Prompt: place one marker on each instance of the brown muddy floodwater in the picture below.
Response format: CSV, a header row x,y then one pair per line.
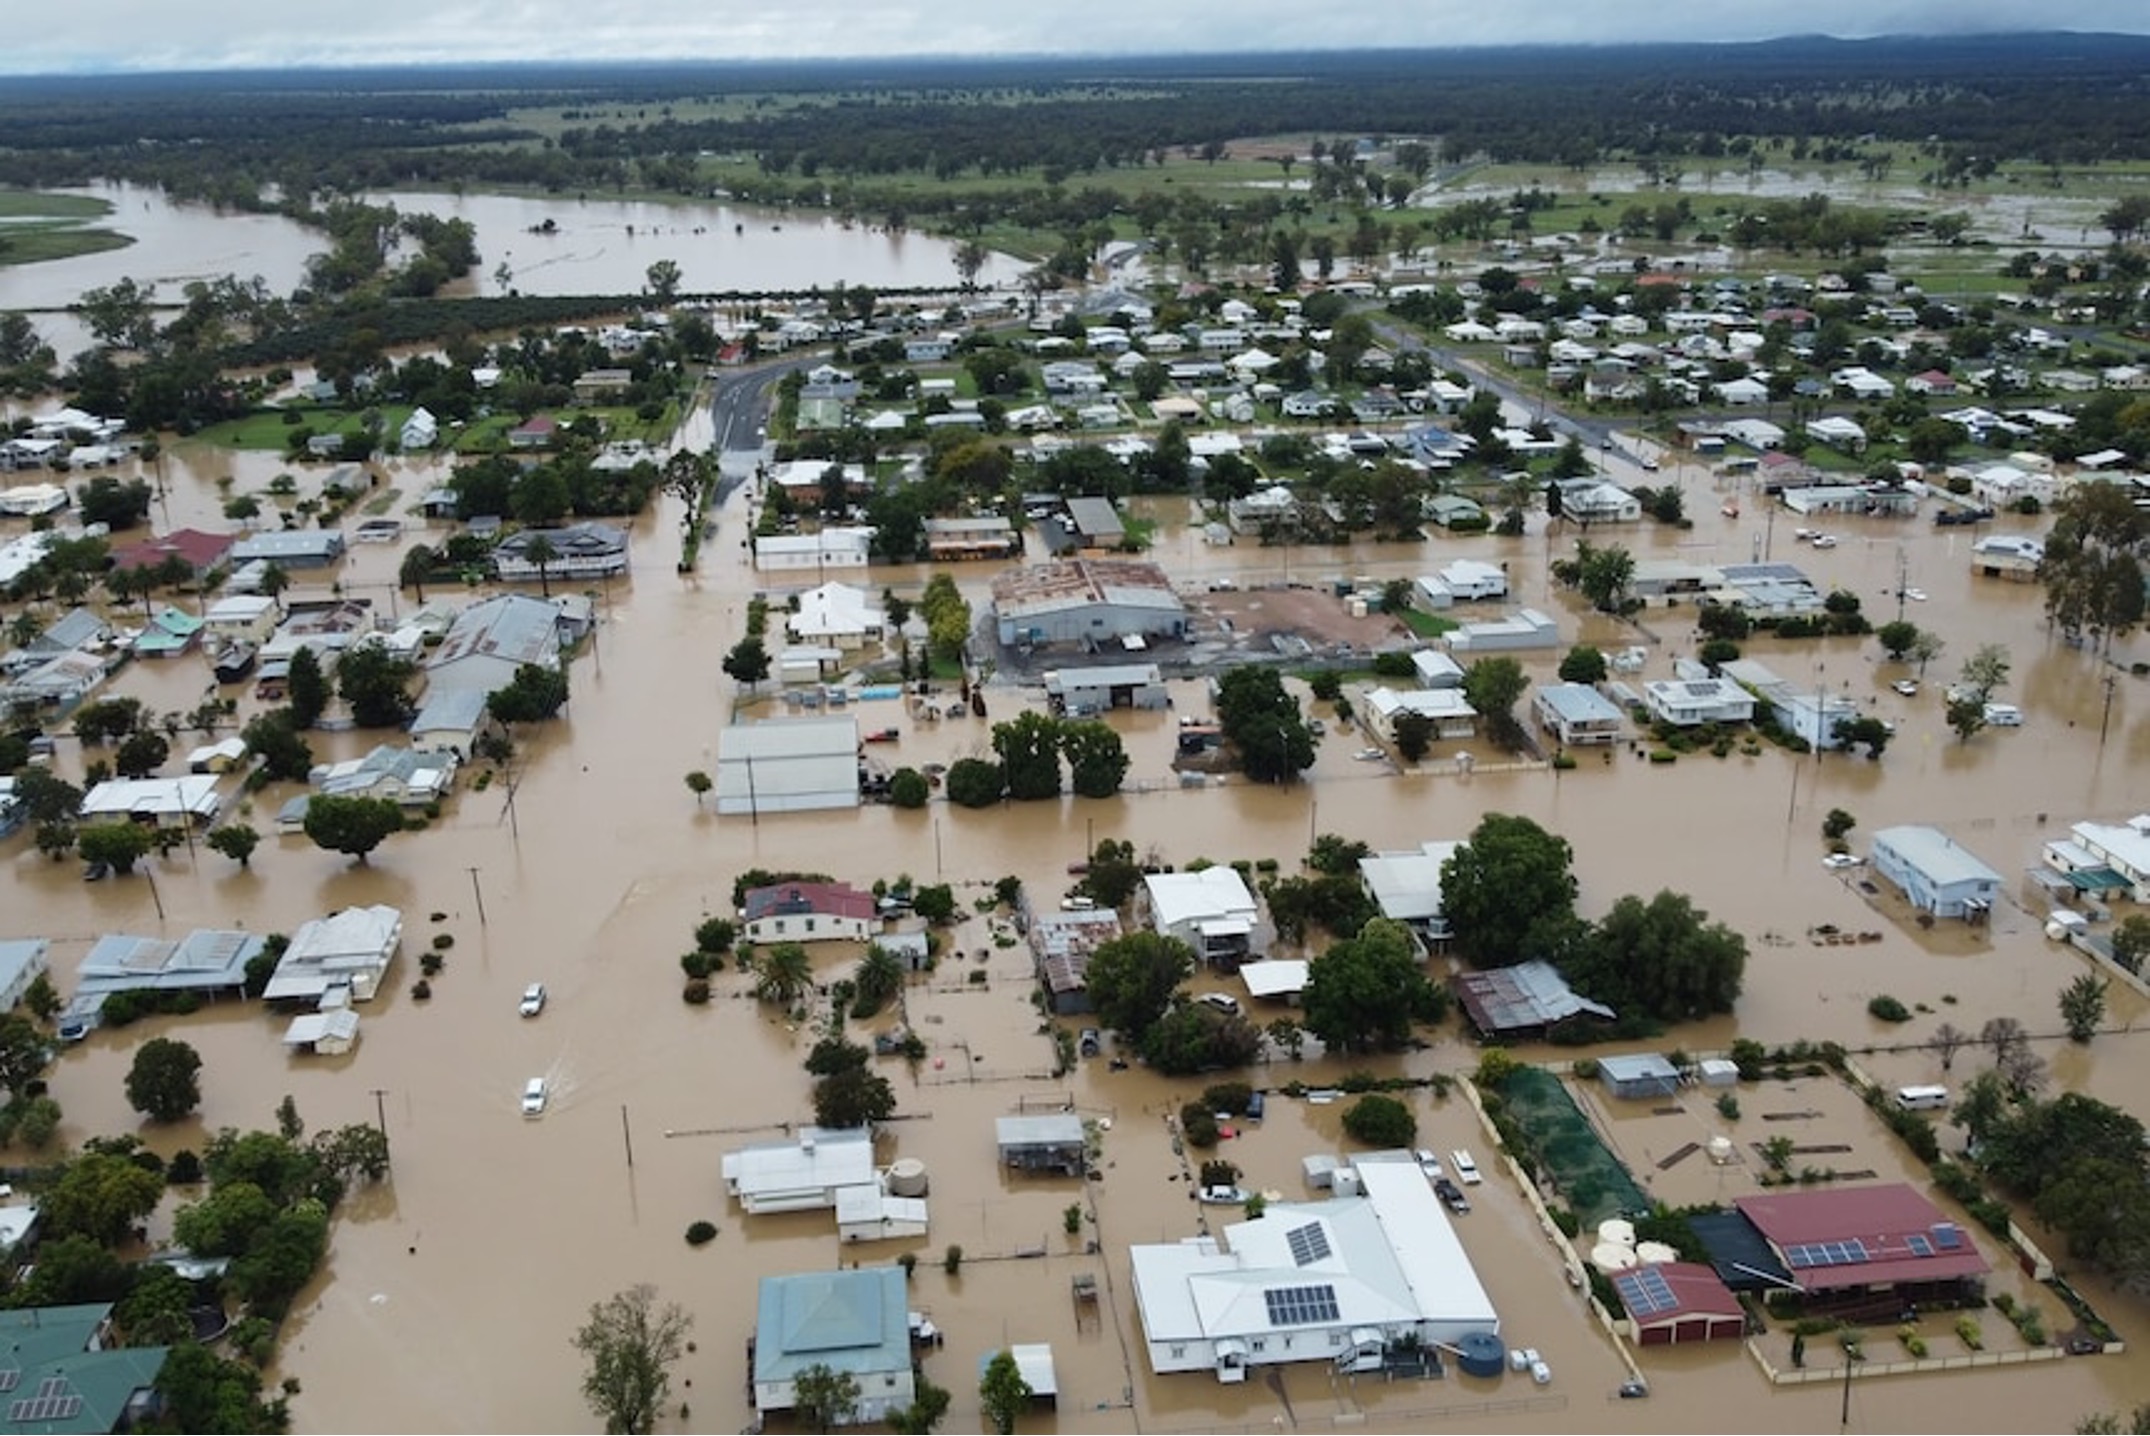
x,y
452,1291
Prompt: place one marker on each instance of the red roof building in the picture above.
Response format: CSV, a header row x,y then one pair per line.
x,y
1863,1239
1671,1302
807,912
202,551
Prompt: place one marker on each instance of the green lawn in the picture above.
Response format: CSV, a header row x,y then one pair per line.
x,y
44,226
1426,625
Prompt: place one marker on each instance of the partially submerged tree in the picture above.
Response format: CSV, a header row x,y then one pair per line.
x,y
630,1343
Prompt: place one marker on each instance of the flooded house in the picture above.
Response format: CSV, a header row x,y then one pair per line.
x,y
853,1323
1874,1248
1577,715
1406,886
1936,875
803,1173
207,961
1060,945
808,912
1212,911
1043,1142
189,801
349,951
71,1373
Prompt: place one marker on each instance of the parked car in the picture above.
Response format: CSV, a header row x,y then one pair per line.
x,y
535,1096
1466,1169
1909,687
533,999
1842,860
2003,715
1222,1001
1428,1163
1824,540
1452,1194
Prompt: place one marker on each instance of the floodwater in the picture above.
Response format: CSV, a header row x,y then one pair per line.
x,y
452,1291
597,246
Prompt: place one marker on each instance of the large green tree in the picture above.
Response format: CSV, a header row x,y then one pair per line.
x,y
307,688
1664,960
100,1196
1507,890
1262,722
534,694
164,1084
630,1343
1131,980
351,825
1029,749
376,685
1494,686
121,844
1097,759
1364,993
2097,559
1002,1391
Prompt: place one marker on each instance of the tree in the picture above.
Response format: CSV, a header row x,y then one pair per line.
x,y
1925,649
1603,574
540,552
416,568
533,695
99,1196
164,1084
909,788
948,617
630,1343
975,782
748,662
121,844
1967,715
203,1391
306,688
1380,1121
1263,724
1507,888
116,503
1132,978
2082,1007
1584,664
2095,561
141,754
699,784
1097,759
1494,686
663,278
1662,960
1985,672
1412,733
1363,994
236,841
1896,638
351,825
853,1097
1947,1040
375,683
273,738
823,1398
1002,1391
24,1054
1836,823
1196,1037
783,974
2131,941
1029,750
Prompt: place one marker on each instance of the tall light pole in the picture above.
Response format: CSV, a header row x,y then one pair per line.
x,y
478,894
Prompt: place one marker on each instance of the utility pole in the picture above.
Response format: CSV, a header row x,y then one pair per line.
x,y
627,1136
478,893
380,1116
2105,719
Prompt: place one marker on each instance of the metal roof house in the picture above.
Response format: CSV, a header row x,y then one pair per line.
x,y
1691,702
1577,715
490,640
1522,1001
1639,1076
1673,1302
22,959
801,1174
206,960
1060,946
1043,1142
787,765
2106,856
166,802
1447,709
855,1323
1211,911
351,950
1082,692
807,912
1336,1281
1852,1243
583,550
1934,873
290,548
1406,886
71,1375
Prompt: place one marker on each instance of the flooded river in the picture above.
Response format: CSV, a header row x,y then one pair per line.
x,y
451,1293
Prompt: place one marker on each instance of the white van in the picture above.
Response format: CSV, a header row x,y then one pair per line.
x,y
1921,1099
1466,1169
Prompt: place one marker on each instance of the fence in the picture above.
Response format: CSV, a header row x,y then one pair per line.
x,y
1861,1370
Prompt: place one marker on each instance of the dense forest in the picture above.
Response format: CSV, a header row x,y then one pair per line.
x,y
2052,99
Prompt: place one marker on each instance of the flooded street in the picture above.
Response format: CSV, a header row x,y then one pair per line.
x,y
452,1291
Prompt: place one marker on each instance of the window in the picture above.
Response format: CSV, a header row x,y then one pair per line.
x,y
1336,1338
1258,1344
809,924
1178,1352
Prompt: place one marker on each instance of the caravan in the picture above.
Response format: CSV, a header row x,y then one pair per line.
x,y
1921,1099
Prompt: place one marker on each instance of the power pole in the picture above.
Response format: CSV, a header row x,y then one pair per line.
x,y
479,894
380,1116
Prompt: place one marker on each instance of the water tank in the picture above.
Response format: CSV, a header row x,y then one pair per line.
x,y
1481,1353
907,1177
1344,1182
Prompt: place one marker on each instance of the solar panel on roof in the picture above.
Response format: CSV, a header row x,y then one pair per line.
x,y
1948,1236
1308,1243
1645,1291
1300,1305
1919,1245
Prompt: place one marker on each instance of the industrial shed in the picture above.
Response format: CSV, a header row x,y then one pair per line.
x,y
1643,1075
787,765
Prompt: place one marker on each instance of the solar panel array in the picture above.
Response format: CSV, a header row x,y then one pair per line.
x,y
1919,1245
1300,1305
1645,1291
54,1401
1814,1254
1948,1236
1308,1243
10,1378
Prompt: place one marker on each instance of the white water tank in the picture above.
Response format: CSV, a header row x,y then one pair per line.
x,y
907,1177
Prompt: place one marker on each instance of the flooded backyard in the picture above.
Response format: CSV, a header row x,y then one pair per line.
x,y
452,1291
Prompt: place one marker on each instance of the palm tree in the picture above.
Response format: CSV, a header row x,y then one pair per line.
x,y
541,552
417,568
783,974
274,580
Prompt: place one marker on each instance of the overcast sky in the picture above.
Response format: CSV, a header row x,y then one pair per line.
x,y
101,35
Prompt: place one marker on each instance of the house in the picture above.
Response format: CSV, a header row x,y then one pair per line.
x,y
331,1032
1470,578
1406,886
985,536
2010,556
241,618
1091,524
449,721
22,961
420,431
219,757
199,551
598,386
290,548
29,501
1338,1282
160,802
1085,692
1596,501
1450,713
207,962
1934,873
1453,511
350,951
1670,1303
854,1323
1526,628
169,633
1522,1003
1743,392
490,640
807,912
1436,669
1043,1142
1577,715
409,777
1640,1076
2107,856
1060,946
787,765
583,550
1692,702
1867,1246
71,1374
836,615
1210,910
540,432
802,1173
1086,601
833,547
